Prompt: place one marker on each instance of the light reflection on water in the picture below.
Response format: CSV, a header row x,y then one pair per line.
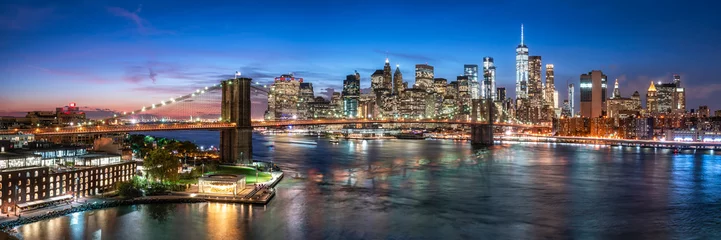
x,y
439,189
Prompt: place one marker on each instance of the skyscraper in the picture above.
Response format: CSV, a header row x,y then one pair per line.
x,y
489,79
387,80
535,93
424,77
500,94
471,71
593,94
651,103
571,92
680,95
351,93
377,80
398,81
551,94
521,69
616,92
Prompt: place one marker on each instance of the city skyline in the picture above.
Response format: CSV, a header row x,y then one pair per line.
x,y
106,71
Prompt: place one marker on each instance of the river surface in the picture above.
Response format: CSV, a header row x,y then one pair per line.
x,y
440,189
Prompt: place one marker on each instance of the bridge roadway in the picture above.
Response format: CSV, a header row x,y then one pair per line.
x,y
615,141
223,125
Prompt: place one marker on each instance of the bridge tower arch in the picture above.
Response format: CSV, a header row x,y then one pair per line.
x,y
482,134
236,143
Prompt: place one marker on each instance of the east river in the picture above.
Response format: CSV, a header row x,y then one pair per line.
x,y
439,189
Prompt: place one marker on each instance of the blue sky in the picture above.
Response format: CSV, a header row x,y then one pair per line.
x,y
120,55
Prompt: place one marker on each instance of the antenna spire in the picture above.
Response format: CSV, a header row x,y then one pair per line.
x,y
521,34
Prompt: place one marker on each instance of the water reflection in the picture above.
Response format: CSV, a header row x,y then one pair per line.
x,y
443,190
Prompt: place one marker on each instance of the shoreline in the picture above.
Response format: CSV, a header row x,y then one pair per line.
x,y
8,227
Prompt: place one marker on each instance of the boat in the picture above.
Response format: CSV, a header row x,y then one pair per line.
x,y
334,140
418,136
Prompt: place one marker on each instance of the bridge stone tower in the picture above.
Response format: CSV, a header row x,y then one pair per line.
x,y
482,135
236,144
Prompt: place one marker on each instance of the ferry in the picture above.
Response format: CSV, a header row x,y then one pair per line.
x,y
410,135
334,140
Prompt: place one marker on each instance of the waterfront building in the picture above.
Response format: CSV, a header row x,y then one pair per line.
x,y
573,126
43,173
283,98
351,93
471,71
593,94
489,80
651,103
424,77
306,96
320,108
398,85
644,128
521,69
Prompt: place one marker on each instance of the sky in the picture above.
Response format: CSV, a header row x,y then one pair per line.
x,y
119,55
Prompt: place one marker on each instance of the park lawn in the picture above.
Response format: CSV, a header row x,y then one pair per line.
x,y
248,172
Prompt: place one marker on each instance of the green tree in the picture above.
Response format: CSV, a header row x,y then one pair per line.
x,y
160,164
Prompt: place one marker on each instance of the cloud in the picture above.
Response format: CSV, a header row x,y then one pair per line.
x,y
23,17
77,76
702,92
408,56
143,26
152,74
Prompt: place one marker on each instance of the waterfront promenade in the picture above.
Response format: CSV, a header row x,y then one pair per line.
x,y
614,142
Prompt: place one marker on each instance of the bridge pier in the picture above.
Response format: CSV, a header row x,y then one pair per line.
x,y
236,145
482,134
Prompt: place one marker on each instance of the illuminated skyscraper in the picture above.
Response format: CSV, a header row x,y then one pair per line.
x,y
424,77
387,80
534,79
522,69
489,79
471,71
398,81
550,91
351,93
571,92
593,94
616,92
651,103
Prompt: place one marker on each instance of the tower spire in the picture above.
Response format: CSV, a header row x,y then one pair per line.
x,y
521,34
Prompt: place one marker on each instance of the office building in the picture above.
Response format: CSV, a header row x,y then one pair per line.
x,y
550,91
535,91
704,112
471,71
424,77
651,103
571,96
500,94
593,94
398,86
488,90
351,95
387,78
283,98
